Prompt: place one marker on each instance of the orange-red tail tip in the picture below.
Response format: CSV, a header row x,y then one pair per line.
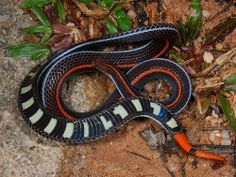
x,y
182,140
209,156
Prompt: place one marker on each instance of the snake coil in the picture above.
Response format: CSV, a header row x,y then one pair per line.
x,y
43,109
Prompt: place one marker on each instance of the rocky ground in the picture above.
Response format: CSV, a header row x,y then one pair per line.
x,y
24,153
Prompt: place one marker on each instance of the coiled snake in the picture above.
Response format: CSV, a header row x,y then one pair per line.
x,y
43,109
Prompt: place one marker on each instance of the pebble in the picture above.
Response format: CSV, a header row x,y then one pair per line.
x,y
156,155
110,168
26,141
4,32
205,13
78,14
172,166
132,14
148,87
212,119
225,134
226,142
214,114
208,57
219,46
215,137
226,138
19,12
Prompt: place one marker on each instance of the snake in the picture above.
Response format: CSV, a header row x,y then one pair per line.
x,y
130,68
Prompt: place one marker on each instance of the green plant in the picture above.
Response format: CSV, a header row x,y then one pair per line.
x,y
225,105
191,29
44,29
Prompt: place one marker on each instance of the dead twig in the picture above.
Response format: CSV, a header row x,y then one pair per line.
x,y
139,155
98,12
216,128
218,149
219,62
187,61
208,83
212,146
219,13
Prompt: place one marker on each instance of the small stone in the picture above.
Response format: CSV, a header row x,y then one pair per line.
x,y
146,22
149,87
70,24
213,120
209,118
205,13
214,114
219,46
226,142
208,57
172,166
4,32
220,121
26,141
78,14
132,14
156,155
19,12
215,137
225,134
212,137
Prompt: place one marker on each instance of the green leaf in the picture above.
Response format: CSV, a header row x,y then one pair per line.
x,y
40,29
105,3
45,38
30,3
117,8
37,29
176,57
60,10
225,105
231,79
205,104
191,29
86,1
34,50
40,15
195,4
182,29
123,20
111,28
